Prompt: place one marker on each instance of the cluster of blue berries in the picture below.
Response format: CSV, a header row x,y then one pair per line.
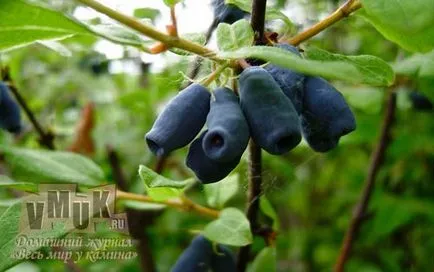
x,y
275,107
10,117
201,256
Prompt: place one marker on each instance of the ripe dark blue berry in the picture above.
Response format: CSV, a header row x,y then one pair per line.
x,y
290,82
180,121
223,260
272,118
326,116
420,102
196,258
228,132
206,169
226,13
200,256
10,117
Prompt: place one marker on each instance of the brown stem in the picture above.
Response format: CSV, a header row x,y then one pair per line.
x,y
137,220
346,9
255,159
377,159
45,138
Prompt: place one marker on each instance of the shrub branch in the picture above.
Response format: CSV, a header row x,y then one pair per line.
x,y
377,159
151,32
342,12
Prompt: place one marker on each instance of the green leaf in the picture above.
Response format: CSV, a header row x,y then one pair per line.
x,y
159,187
237,35
268,210
6,182
56,47
23,23
10,221
171,3
409,23
418,65
265,260
117,34
52,166
327,69
372,70
148,13
231,228
270,13
217,194
198,38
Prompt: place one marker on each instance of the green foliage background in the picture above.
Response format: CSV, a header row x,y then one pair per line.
x,y
312,194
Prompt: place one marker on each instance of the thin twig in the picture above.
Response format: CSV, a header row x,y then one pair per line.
x,y
255,159
174,21
45,138
198,60
342,12
377,160
151,32
137,220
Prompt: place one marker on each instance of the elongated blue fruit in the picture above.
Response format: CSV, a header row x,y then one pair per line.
x,y
196,258
272,118
223,260
290,82
326,116
228,132
180,121
200,256
224,13
206,169
420,101
10,116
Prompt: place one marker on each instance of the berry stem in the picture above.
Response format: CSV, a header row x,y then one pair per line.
x,y
377,159
342,12
214,75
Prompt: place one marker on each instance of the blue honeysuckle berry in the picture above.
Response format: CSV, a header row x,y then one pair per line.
x,y
272,118
228,132
200,256
10,116
223,260
181,120
326,116
291,82
196,258
206,169
226,13
420,102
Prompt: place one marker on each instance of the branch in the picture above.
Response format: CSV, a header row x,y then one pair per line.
x,y
183,203
45,138
137,220
342,12
255,159
151,32
377,159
